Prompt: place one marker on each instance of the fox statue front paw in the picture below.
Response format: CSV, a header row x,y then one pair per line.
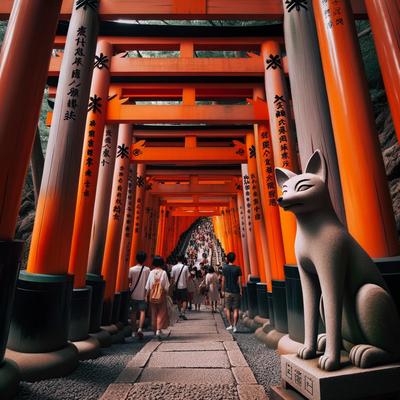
x,y
306,353
329,363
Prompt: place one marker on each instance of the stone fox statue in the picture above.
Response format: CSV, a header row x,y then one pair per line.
x,y
356,307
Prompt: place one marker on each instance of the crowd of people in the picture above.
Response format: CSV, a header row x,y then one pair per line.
x,y
197,277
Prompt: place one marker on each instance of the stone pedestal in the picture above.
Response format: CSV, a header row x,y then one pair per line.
x,y
349,383
80,314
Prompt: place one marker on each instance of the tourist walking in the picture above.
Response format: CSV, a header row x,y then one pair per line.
x,y
198,296
179,277
232,290
212,284
138,276
157,288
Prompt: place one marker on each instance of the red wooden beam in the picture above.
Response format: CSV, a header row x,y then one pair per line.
x,y
187,9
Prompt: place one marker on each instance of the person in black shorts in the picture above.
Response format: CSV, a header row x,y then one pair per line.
x,y
232,291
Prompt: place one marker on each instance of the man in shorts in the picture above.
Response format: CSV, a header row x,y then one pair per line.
x,y
232,290
137,286
180,275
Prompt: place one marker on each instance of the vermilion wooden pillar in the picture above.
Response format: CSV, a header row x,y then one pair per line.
x,y
251,243
367,201
243,236
160,230
384,16
236,231
115,219
310,101
139,204
281,132
127,230
269,199
257,212
52,232
90,162
102,201
25,53
122,284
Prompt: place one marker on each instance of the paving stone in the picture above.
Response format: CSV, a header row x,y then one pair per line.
x,y
186,359
230,346
195,337
187,375
236,358
140,359
150,346
193,329
170,391
129,375
251,392
116,391
244,376
205,346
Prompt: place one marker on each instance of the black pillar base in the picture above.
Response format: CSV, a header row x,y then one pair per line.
x,y
80,314
41,313
124,307
116,308
390,270
271,309
279,304
97,283
262,300
243,303
252,296
10,259
9,379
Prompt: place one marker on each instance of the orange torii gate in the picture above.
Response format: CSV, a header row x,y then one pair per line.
x,y
52,249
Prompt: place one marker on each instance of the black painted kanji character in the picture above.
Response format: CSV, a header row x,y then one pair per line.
x,y
279,98
80,41
140,182
94,104
274,61
89,161
86,193
72,103
90,143
93,4
76,73
296,5
81,31
104,162
101,61
106,153
89,153
79,52
252,151
69,115
92,133
123,151
92,123
73,92
88,172
77,61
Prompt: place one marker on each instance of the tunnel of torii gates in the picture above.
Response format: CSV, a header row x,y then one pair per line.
x,y
167,140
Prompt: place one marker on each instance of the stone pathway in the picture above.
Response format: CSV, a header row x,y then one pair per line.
x,y
198,360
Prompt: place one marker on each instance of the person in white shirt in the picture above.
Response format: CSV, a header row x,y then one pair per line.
x,y
138,276
159,310
179,276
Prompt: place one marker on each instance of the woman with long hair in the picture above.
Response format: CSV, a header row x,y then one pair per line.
x,y
212,284
157,289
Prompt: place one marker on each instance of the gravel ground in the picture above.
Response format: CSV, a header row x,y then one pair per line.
x,y
89,381
174,391
264,362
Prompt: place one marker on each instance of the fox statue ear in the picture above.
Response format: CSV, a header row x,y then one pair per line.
x,y
316,165
282,175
